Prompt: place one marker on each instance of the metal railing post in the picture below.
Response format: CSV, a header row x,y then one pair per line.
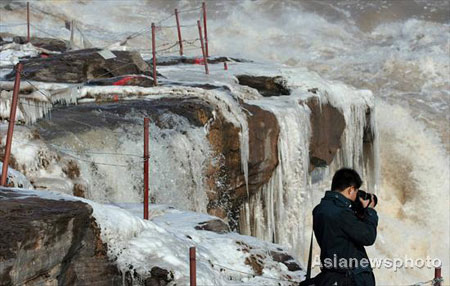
x,y
192,267
146,166
12,119
180,40
155,80
205,59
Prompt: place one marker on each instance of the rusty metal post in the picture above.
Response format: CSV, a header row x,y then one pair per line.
x,y
155,80
206,29
192,266
437,276
12,119
225,66
205,59
146,165
28,22
180,40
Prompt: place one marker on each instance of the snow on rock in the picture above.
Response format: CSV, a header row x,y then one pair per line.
x,y
42,167
16,179
10,54
138,246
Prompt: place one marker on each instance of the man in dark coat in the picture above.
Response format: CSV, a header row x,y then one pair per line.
x,y
342,235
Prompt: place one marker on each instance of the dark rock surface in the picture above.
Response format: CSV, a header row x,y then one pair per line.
x,y
159,277
267,86
327,126
50,44
175,60
83,65
286,259
49,242
263,159
216,225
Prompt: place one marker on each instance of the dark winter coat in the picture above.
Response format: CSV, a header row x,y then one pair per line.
x,y
341,236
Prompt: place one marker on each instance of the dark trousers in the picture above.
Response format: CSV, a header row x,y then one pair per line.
x,y
331,278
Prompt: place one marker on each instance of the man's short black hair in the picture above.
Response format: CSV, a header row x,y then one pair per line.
x,y
344,178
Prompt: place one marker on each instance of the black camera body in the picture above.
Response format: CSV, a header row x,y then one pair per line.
x,y
357,206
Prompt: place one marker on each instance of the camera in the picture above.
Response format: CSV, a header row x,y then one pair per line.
x,y
358,207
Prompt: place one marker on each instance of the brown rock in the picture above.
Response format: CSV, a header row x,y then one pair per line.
x,y
227,177
286,259
327,126
267,86
50,44
51,242
263,141
215,225
83,65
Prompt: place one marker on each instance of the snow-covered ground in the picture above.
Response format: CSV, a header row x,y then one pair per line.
x,y
164,241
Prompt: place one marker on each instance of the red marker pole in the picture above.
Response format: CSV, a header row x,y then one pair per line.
x,y
12,119
192,266
437,276
225,66
28,22
206,29
155,80
180,41
146,165
203,47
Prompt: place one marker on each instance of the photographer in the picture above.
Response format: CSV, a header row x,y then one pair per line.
x,y
344,222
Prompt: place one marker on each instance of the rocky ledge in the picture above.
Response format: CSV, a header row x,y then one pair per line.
x,y
56,240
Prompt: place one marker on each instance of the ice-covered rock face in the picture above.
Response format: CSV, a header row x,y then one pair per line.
x,y
219,147
65,238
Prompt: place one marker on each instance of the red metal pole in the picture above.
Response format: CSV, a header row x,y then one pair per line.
x,y
192,266
437,275
225,66
146,165
206,29
205,59
28,22
155,80
12,119
180,41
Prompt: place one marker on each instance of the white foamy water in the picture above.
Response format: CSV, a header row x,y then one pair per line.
x,y
400,53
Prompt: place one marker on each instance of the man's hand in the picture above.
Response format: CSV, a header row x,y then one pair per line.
x,y
365,203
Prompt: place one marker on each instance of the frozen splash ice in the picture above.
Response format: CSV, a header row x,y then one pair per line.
x,y
276,213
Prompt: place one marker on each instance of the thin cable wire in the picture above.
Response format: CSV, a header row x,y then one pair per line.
x,y
13,24
250,274
95,153
94,162
44,32
190,9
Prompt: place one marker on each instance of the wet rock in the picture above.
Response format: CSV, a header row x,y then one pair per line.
x,y
286,259
216,225
267,86
256,263
175,60
159,277
49,242
327,126
263,141
83,65
227,180
49,44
